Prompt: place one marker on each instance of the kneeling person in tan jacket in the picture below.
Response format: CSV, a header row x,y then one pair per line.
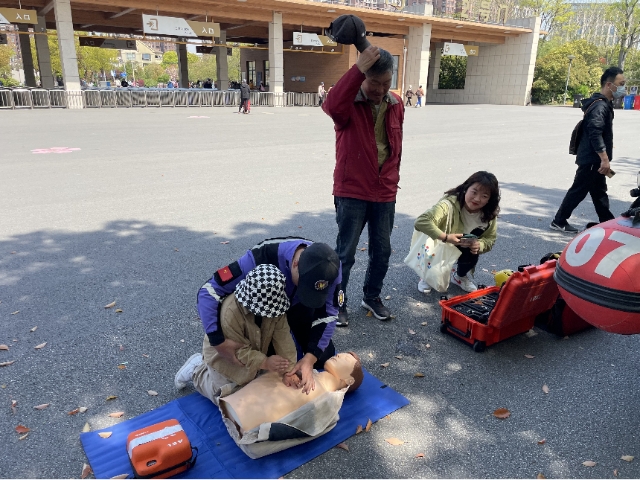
x,y
253,315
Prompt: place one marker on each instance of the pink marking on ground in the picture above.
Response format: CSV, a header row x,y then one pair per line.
x,y
55,150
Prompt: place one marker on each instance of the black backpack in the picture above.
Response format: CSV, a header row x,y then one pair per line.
x,y
576,135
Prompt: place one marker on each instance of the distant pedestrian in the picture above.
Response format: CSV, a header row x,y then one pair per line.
x,y
419,95
321,94
261,87
409,96
595,150
245,96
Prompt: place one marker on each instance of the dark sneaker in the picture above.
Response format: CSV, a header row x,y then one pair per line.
x,y
563,228
377,308
343,317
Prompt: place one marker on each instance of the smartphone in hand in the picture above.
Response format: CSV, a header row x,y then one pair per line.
x,y
467,239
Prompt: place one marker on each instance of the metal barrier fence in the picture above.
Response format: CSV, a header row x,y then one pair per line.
x,y
14,98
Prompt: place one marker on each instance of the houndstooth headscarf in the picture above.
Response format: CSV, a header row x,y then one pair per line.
x,y
262,292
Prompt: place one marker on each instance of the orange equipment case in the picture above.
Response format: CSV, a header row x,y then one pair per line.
x,y
160,451
527,293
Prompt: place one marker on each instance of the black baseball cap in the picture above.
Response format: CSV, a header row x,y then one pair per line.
x,y
318,268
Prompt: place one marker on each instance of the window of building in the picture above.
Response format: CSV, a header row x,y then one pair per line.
x,y
251,72
131,56
394,77
146,57
266,73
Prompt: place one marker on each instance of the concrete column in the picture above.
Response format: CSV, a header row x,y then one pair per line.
x,y
68,54
44,56
418,53
27,58
276,55
222,65
183,66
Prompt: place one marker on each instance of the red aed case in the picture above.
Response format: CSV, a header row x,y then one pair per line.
x,y
501,312
160,451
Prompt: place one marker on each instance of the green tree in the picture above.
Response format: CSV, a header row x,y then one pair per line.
x,y
6,52
551,72
94,62
203,68
554,14
625,16
453,72
233,63
169,59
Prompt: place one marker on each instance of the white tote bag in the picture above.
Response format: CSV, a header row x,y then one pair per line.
x,y
433,259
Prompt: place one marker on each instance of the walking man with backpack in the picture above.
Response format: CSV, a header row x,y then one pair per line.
x,y
593,152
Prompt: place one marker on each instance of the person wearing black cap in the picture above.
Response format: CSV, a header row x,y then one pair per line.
x,y
368,121
313,276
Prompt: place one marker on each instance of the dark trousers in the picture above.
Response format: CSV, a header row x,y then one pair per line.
x,y
351,216
408,102
587,180
300,319
467,261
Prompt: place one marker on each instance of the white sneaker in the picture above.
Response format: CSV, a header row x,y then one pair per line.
x,y
186,371
424,287
463,282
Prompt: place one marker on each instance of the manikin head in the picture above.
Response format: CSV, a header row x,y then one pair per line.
x,y
348,368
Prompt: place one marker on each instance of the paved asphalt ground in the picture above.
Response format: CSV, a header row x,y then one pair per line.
x,y
139,215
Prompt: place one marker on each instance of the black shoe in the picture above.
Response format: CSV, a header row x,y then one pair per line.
x,y
343,317
377,308
563,228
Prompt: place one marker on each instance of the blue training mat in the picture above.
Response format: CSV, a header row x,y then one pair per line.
x,y
218,455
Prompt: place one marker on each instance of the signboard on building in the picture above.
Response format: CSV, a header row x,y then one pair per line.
x,y
178,27
312,40
18,15
204,49
114,43
460,50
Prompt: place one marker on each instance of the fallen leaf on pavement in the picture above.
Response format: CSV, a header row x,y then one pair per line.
x,y
16,312
41,407
6,364
224,243
542,442
412,332
34,329
121,348
394,441
485,270
82,409
42,345
531,333
73,412
145,355
105,434
22,437
153,393
399,357
118,310
589,463
343,446
371,355
13,406
4,347
369,314
615,472
116,414
502,413
369,423
111,305
122,367
363,249
388,297
418,375
424,324
627,458
22,429
86,428
545,389
86,471
529,356
540,475
384,365
428,346
359,429
111,397
420,455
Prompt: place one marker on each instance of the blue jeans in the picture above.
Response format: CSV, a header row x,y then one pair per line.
x,y
351,216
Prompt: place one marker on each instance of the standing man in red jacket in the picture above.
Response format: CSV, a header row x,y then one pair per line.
x,y
368,123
